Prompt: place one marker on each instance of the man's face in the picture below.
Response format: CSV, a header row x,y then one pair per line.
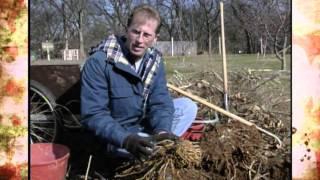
x,y
140,36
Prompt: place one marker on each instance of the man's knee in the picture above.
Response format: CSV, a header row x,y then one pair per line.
x,y
192,105
187,104
185,114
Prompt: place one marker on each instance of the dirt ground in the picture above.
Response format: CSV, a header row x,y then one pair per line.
x,y
230,149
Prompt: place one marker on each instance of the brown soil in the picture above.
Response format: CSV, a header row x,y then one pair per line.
x,y
236,151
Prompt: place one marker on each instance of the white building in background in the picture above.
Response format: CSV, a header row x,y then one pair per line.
x,y
177,48
71,54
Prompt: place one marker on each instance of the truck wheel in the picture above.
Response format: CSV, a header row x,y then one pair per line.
x,y
43,118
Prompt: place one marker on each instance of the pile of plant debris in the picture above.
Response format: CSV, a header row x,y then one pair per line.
x,y
229,149
232,150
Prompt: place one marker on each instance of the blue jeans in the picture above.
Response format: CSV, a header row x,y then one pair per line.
x,y
185,111
184,114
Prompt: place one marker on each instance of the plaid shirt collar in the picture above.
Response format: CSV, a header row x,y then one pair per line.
x,y
118,54
114,47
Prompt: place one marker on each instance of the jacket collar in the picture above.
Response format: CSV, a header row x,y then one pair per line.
x,y
117,54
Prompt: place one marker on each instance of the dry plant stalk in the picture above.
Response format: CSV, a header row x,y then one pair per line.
x,y
189,152
168,160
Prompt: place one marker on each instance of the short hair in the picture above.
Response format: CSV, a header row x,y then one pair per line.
x,y
148,12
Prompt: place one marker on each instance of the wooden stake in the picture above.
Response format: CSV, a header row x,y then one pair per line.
x,y
225,78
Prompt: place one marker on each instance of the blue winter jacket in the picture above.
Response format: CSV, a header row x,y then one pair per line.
x,y
112,94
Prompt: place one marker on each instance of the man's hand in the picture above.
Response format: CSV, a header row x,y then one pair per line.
x,y
163,136
140,147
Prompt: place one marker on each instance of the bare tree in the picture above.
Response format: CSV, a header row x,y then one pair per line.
x,y
168,17
281,44
44,24
115,13
243,12
210,9
73,12
251,25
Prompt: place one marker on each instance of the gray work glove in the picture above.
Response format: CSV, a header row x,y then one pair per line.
x,y
163,136
140,147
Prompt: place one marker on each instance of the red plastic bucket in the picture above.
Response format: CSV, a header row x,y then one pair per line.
x,y
49,161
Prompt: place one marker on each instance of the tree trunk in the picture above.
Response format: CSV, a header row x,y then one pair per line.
x,y
220,45
65,27
192,26
261,46
210,45
284,63
265,48
81,43
249,48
